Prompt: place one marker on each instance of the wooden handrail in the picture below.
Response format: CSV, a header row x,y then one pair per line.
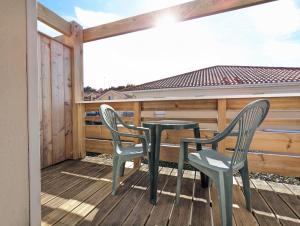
x,y
195,98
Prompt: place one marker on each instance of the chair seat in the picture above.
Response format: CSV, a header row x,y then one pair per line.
x,y
131,150
210,159
205,148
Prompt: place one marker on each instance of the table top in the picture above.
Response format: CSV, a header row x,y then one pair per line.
x,y
172,124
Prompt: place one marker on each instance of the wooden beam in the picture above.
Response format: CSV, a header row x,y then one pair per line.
x,y
50,18
77,92
66,40
182,12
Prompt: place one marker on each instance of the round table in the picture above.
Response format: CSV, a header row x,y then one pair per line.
x,y
156,128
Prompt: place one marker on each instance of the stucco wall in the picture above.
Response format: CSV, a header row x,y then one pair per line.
x,y
14,185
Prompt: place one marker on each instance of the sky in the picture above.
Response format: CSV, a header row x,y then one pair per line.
x,y
263,35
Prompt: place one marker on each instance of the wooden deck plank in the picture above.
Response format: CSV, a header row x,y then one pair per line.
x,y
295,189
241,215
54,176
282,211
181,213
201,213
287,196
66,210
289,222
57,186
85,201
260,209
79,193
60,177
260,185
279,187
55,169
98,160
81,210
103,207
119,214
162,210
278,206
143,208
216,214
74,191
67,182
238,179
293,202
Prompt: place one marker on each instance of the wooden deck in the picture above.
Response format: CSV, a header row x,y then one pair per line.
x,y
78,193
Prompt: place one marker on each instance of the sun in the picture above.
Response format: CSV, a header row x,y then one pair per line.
x,y
166,20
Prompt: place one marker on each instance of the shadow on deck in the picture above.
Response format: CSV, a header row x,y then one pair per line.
x,y
79,193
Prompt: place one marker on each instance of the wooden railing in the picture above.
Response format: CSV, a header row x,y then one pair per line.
x,y
275,147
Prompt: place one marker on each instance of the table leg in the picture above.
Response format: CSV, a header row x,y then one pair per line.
x,y
122,169
155,165
151,164
197,135
204,178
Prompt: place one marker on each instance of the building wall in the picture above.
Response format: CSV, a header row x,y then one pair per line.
x,y
112,96
198,92
14,189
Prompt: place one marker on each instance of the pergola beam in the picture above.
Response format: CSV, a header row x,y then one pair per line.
x,y
53,20
182,12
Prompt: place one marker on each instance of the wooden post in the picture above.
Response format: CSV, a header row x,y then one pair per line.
x,y
137,113
79,136
77,94
137,122
221,121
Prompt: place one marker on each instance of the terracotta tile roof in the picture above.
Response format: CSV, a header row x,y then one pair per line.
x,y
225,76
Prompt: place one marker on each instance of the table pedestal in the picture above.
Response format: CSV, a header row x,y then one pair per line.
x,y
155,131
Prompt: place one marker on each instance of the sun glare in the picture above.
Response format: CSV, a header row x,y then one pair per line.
x,y
166,20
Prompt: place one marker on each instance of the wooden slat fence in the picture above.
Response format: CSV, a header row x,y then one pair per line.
x,y
275,148
55,100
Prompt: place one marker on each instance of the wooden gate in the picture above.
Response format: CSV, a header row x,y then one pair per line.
x,y
55,95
